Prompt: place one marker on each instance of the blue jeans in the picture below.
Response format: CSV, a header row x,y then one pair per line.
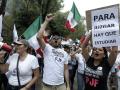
x,y
80,80
71,78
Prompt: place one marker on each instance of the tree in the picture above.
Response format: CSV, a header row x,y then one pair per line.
x,y
58,26
50,6
29,10
24,12
2,6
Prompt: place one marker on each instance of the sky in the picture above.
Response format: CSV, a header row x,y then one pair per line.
x,y
84,5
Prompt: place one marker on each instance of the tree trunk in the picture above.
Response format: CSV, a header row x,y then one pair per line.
x,y
2,6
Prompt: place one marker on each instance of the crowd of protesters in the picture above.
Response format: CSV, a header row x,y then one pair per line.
x,y
59,64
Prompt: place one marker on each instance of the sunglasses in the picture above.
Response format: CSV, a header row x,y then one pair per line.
x,y
56,37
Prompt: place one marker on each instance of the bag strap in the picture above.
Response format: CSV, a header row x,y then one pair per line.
x,y
18,72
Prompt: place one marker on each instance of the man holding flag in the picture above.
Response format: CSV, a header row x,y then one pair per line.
x,y
55,61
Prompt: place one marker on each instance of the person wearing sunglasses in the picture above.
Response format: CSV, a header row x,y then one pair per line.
x,y
20,67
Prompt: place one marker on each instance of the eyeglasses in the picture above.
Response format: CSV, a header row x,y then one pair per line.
x,y
56,37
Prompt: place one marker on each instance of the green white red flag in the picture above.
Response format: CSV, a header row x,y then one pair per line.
x,y
31,33
73,18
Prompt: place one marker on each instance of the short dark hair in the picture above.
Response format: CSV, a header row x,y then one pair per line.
x,y
105,52
66,46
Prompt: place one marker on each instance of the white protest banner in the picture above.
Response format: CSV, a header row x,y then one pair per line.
x,y
105,26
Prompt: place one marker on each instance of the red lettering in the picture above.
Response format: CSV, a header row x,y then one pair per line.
x,y
92,82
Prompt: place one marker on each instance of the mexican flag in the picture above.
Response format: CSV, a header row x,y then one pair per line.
x,y
73,18
31,33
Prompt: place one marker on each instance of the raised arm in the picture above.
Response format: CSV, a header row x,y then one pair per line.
x,y
40,35
84,47
113,55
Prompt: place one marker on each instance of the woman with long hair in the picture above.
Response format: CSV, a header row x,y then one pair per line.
x,y
98,66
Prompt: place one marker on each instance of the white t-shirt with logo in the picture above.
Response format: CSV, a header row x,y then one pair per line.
x,y
26,68
54,60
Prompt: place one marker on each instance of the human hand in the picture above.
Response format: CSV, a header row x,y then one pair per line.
x,y
49,17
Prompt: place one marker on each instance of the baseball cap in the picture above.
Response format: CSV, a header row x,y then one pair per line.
x,y
22,42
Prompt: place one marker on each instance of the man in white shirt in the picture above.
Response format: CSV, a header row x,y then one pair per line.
x,y
55,61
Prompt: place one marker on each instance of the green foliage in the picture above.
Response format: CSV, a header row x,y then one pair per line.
x,y
57,25
29,10
2,6
7,27
24,12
